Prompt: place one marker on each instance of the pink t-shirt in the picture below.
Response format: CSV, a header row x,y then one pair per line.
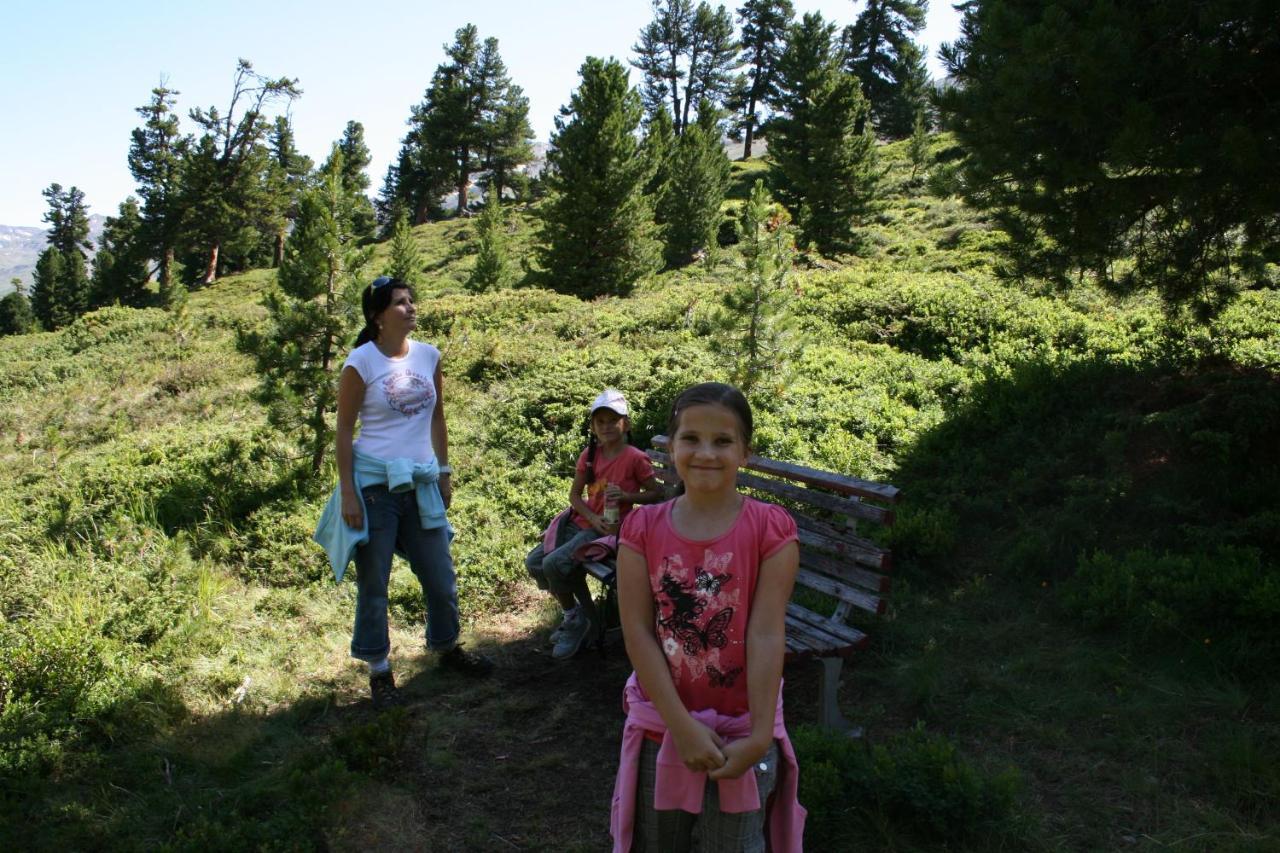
x,y
702,593
627,471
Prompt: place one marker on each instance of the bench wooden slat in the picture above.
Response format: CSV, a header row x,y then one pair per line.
x,y
803,638
843,571
813,476
832,503
843,591
875,559
816,625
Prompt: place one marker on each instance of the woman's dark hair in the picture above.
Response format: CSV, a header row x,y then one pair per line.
x,y
716,393
374,300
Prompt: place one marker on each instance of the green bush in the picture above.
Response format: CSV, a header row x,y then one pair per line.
x,y
1227,598
914,787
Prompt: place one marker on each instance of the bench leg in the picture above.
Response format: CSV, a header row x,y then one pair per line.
x,y
829,716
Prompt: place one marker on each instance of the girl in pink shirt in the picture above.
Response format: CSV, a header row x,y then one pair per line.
x,y
703,584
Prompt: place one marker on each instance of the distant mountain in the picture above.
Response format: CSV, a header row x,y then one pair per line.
x,y
20,248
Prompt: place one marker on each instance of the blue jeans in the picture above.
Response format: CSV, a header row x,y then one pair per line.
x,y
555,572
394,525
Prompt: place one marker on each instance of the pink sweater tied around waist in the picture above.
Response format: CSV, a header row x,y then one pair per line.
x,y
678,787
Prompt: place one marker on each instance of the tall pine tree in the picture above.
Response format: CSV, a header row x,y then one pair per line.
x,y
287,174
491,270
764,32
406,257
887,62
121,267
824,165
60,292
1138,153
687,55
699,179
355,161
226,195
155,160
597,229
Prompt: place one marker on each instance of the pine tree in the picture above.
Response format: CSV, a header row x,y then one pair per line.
x,y
824,166
597,229
47,302
491,269
406,258
508,138
659,148
121,267
764,31
759,337
1137,153
61,289
155,160
687,55
310,314
287,174
16,317
355,160
472,117
699,179
879,48
225,193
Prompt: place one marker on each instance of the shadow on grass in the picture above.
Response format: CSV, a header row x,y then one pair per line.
x,y
1087,593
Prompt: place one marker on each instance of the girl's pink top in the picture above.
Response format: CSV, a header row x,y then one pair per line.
x,y
678,787
628,470
702,593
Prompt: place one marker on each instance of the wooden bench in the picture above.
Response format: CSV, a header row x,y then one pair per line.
x,y
843,574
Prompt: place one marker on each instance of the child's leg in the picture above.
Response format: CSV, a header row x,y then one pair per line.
x,y
722,832
535,563
657,831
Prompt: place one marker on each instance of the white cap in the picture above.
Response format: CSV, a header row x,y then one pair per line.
x,y
611,399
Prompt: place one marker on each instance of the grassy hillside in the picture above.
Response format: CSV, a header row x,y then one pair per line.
x,y
1082,642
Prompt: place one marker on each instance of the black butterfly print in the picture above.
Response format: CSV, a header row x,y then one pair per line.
x,y
711,582
700,639
685,605
723,679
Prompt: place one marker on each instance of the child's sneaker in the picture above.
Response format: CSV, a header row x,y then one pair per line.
x,y
382,687
571,638
571,617
462,661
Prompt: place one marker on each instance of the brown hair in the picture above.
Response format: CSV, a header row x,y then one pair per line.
x,y
713,393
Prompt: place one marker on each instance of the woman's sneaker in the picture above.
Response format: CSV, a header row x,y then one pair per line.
x,y
382,687
572,637
462,661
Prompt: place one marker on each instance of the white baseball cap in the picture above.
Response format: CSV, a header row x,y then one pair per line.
x,y
611,399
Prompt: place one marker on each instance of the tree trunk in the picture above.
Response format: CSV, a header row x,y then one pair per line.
x,y
166,269
211,271
278,255
463,176
751,129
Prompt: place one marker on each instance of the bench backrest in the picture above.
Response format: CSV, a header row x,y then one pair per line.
x,y
833,514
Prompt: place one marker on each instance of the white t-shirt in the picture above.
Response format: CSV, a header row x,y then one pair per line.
x,y
399,400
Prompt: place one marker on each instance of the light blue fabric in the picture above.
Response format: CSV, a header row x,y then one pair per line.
x,y
399,475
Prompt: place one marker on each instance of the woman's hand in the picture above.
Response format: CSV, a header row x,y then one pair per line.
x,y
700,748
740,755
352,511
446,489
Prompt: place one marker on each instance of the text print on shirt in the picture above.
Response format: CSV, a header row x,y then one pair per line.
x,y
408,393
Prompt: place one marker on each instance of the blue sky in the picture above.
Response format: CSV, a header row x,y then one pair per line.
x,y
74,71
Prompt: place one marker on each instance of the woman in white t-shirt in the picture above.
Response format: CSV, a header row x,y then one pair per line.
x,y
391,384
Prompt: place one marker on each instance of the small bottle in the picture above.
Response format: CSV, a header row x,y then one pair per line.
x,y
610,506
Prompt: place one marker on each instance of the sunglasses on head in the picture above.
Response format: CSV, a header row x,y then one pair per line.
x,y
383,281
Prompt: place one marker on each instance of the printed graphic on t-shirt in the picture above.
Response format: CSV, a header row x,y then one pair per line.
x,y
408,393
695,611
